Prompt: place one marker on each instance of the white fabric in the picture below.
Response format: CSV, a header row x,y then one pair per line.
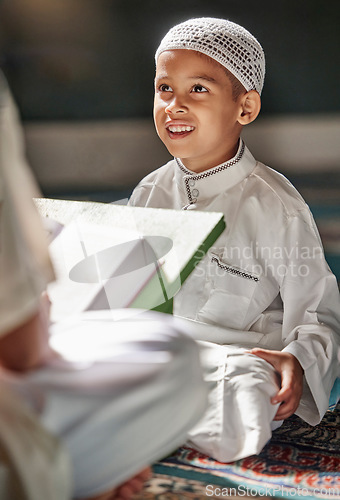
x,y
25,267
126,394
23,441
266,276
238,421
224,41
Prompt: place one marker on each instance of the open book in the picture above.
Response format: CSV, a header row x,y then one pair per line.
x,y
109,256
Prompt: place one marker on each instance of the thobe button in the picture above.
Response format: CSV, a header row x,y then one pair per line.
x,y
192,182
195,192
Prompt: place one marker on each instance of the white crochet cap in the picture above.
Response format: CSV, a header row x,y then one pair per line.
x,y
228,43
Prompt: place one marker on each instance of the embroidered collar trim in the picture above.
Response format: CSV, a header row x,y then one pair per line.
x,y
217,169
209,172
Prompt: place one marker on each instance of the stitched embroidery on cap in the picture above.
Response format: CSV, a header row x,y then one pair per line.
x,y
224,41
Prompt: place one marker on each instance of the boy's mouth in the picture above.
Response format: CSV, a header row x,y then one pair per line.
x,y
179,131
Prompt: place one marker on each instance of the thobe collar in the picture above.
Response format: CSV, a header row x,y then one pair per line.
x,y
212,182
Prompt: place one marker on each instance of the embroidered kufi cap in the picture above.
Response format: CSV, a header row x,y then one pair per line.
x,y
224,41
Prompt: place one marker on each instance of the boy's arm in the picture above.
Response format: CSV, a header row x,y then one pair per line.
x,y
291,373
311,314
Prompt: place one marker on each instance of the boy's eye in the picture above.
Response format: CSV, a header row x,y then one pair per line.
x,y
165,88
199,89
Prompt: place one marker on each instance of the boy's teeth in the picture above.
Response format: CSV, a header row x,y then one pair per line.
x,y
179,128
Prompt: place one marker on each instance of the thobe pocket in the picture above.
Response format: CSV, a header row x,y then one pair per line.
x,y
232,289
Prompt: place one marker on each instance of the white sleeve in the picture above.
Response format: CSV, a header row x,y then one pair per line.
x,y
311,319
25,267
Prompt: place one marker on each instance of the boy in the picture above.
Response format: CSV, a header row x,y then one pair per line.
x,y
111,392
264,300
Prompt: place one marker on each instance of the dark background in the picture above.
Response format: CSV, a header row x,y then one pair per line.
x,y
94,59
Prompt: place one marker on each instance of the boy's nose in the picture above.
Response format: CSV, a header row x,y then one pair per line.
x,y
176,106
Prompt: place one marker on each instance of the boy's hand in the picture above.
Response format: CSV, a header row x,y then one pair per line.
x,y
291,373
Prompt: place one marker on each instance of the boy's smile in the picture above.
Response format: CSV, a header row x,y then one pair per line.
x,y
194,111
178,130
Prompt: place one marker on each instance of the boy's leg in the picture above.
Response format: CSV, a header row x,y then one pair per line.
x,y
128,406
238,420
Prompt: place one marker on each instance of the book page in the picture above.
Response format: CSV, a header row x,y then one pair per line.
x,y
98,267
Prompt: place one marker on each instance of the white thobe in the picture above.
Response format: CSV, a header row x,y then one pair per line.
x,y
265,282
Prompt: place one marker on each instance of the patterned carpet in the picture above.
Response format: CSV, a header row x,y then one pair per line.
x,y
299,461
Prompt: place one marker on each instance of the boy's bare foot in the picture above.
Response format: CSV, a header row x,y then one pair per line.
x,y
127,489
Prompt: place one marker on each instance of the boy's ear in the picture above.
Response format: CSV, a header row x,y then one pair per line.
x,y
250,107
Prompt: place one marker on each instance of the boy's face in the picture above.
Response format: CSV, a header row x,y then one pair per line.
x,y
194,112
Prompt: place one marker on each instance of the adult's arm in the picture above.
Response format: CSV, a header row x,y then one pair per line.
x,y
26,346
